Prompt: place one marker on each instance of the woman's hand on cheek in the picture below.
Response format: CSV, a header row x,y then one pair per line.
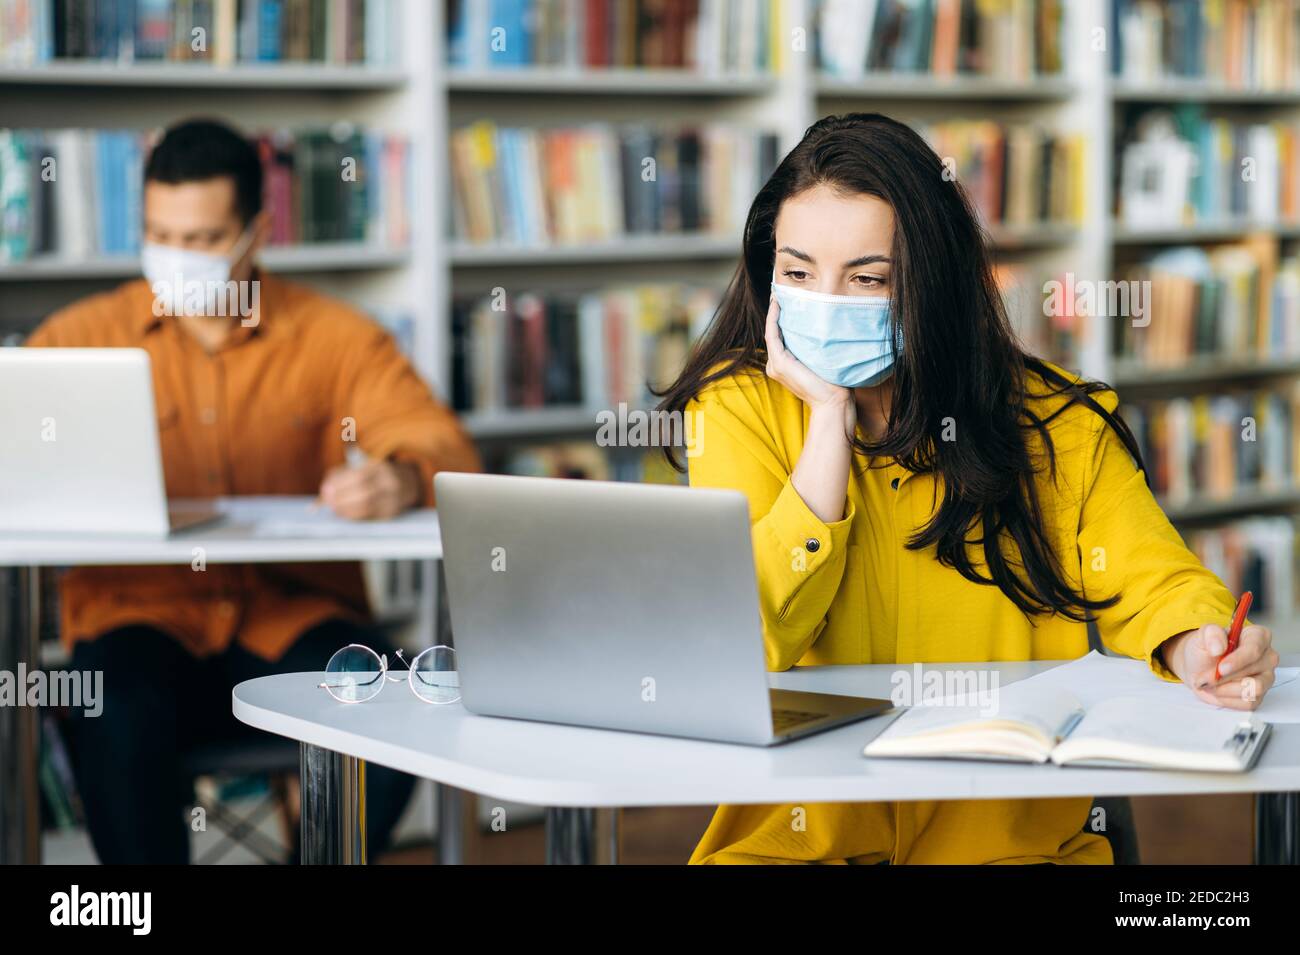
x,y
1246,674
795,375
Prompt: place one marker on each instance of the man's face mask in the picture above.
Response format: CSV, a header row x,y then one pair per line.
x,y
188,270
847,340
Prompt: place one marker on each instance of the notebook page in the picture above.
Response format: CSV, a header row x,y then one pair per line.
x,y
1094,678
1046,709
1134,726
1281,704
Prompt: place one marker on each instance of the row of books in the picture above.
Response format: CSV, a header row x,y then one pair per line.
x,y
601,348
1053,330
1178,165
338,184
76,193
222,32
598,181
1233,301
1015,173
1255,554
1213,446
706,36
1251,44
594,350
1017,39
585,460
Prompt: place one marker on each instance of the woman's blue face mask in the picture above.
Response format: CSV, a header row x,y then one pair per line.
x,y
847,340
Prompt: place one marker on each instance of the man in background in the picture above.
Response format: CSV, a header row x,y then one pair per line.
x,y
260,391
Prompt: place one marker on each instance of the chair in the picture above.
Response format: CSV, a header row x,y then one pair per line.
x,y
270,756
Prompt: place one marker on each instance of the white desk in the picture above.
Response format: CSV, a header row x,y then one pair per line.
x,y
250,530
569,767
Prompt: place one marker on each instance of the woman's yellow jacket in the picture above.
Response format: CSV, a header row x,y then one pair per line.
x,y
851,592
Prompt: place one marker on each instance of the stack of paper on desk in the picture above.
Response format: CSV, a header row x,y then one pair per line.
x,y
1095,711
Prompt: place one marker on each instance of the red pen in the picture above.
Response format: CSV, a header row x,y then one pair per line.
x,y
1234,632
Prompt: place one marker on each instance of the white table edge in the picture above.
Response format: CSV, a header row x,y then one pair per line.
x,y
962,779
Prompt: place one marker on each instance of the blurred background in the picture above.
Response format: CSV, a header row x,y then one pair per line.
x,y
550,197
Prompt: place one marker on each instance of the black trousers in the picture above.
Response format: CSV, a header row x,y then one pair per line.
x,y
159,701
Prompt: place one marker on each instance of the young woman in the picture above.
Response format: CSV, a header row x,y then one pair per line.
x,y
922,490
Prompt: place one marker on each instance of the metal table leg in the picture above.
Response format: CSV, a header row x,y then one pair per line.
x,y
1277,828
449,802
333,807
615,835
450,809
570,836
20,824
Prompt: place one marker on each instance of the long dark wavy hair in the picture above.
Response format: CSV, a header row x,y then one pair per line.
x,y
961,359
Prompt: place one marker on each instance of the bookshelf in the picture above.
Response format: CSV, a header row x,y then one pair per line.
x,y
394,97
1199,91
255,76
639,248
612,81
1140,87
978,89
427,98
1202,232
316,257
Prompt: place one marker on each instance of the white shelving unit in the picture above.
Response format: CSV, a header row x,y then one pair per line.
x,y
318,257
1085,99
425,98
291,76
606,82
896,87
103,94
399,99
787,103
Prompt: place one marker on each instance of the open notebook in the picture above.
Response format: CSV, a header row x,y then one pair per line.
x,y
1040,724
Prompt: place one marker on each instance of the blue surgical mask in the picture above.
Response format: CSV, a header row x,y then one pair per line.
x,y
848,340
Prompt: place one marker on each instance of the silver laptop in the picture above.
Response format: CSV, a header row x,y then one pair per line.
x,y
79,446
620,606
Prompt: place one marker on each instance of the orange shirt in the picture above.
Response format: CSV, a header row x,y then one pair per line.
x,y
267,413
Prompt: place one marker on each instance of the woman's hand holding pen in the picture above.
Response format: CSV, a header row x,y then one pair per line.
x,y
1245,674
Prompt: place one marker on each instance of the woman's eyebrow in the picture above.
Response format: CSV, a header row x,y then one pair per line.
x,y
868,260
797,254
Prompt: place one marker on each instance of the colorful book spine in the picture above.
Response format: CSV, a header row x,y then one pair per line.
x,y
1013,39
221,31
703,36
1017,174
596,182
1235,301
1240,44
340,184
596,350
1178,165
1216,445
1256,554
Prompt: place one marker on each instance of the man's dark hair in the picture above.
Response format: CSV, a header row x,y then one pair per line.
x,y
201,149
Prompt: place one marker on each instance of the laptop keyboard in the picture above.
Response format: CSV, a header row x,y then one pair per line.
x,y
783,720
